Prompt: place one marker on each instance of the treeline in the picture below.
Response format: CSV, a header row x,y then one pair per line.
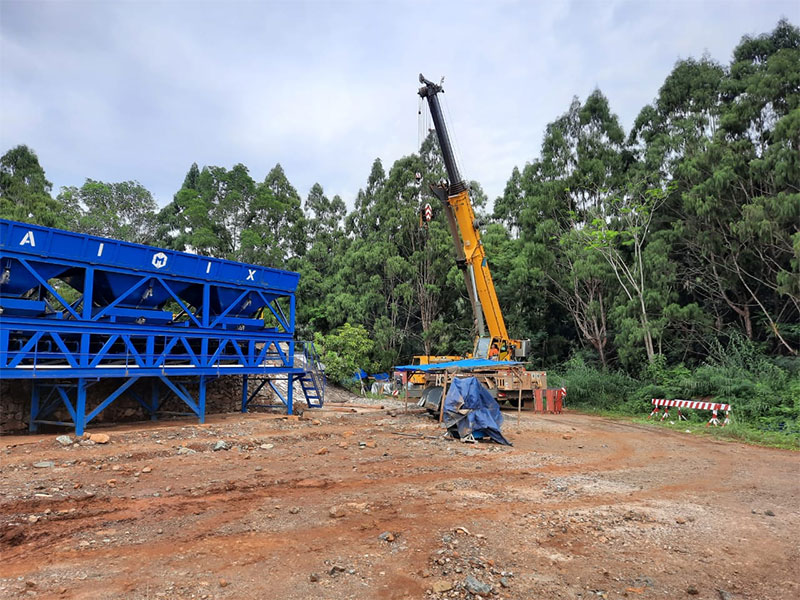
x,y
633,250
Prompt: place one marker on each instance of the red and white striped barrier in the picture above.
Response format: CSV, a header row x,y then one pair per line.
x,y
714,407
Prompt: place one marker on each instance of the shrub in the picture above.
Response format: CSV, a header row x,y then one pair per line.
x,y
344,351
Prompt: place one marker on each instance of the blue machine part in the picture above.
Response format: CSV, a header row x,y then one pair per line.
x,y
45,242
79,308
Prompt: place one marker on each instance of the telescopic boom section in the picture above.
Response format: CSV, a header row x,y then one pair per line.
x,y
468,245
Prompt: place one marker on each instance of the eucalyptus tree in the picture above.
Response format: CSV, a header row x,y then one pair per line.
x,y
741,204
582,166
124,210
25,192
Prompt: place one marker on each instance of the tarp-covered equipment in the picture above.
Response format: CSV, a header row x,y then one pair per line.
x,y
470,410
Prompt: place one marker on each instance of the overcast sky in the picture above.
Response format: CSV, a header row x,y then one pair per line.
x,y
135,90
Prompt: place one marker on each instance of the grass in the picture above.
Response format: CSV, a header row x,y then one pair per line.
x,y
734,432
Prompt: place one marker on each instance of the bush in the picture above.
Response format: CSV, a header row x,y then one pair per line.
x,y
764,393
344,351
592,388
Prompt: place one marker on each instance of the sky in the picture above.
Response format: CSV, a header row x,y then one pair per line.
x,y
140,90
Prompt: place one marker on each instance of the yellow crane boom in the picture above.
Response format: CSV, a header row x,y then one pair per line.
x,y
470,253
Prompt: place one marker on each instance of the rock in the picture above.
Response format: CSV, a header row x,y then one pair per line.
x,y
474,586
504,582
316,422
267,446
221,445
294,510
33,519
386,536
692,591
769,513
313,577
441,586
322,450
64,440
112,483
371,444
566,436
336,569
185,450
147,469
311,483
680,521
223,583
259,468
99,438
336,512
44,464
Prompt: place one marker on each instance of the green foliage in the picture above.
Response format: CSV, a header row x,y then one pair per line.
x,y
593,388
25,192
344,351
122,210
764,394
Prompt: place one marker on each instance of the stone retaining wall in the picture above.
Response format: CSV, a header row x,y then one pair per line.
x,y
223,395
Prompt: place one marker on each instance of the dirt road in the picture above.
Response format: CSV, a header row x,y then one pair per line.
x,y
339,506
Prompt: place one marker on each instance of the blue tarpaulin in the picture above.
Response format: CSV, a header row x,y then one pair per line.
x,y
470,409
361,374
466,364
380,377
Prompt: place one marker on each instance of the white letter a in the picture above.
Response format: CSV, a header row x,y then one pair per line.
x,y
28,239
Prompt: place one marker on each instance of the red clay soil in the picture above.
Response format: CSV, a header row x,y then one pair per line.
x,y
337,505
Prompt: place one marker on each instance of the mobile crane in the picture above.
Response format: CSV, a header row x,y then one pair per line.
x,y
470,253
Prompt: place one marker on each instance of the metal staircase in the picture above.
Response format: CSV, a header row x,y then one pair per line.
x,y
313,380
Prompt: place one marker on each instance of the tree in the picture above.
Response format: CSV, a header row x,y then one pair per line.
x,y
25,192
739,197
583,166
276,226
124,210
621,236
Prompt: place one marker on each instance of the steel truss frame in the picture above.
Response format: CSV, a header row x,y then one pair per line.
x,y
113,324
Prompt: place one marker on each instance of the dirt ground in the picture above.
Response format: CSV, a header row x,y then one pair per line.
x,y
339,505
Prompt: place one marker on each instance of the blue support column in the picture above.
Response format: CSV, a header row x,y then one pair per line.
x,y
88,287
201,399
205,316
80,408
244,393
289,392
32,426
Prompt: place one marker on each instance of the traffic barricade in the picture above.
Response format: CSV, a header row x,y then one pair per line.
x,y
714,407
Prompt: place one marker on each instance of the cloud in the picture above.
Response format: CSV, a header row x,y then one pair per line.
x,y
118,91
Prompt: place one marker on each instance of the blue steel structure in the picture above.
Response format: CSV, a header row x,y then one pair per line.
x,y
76,309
